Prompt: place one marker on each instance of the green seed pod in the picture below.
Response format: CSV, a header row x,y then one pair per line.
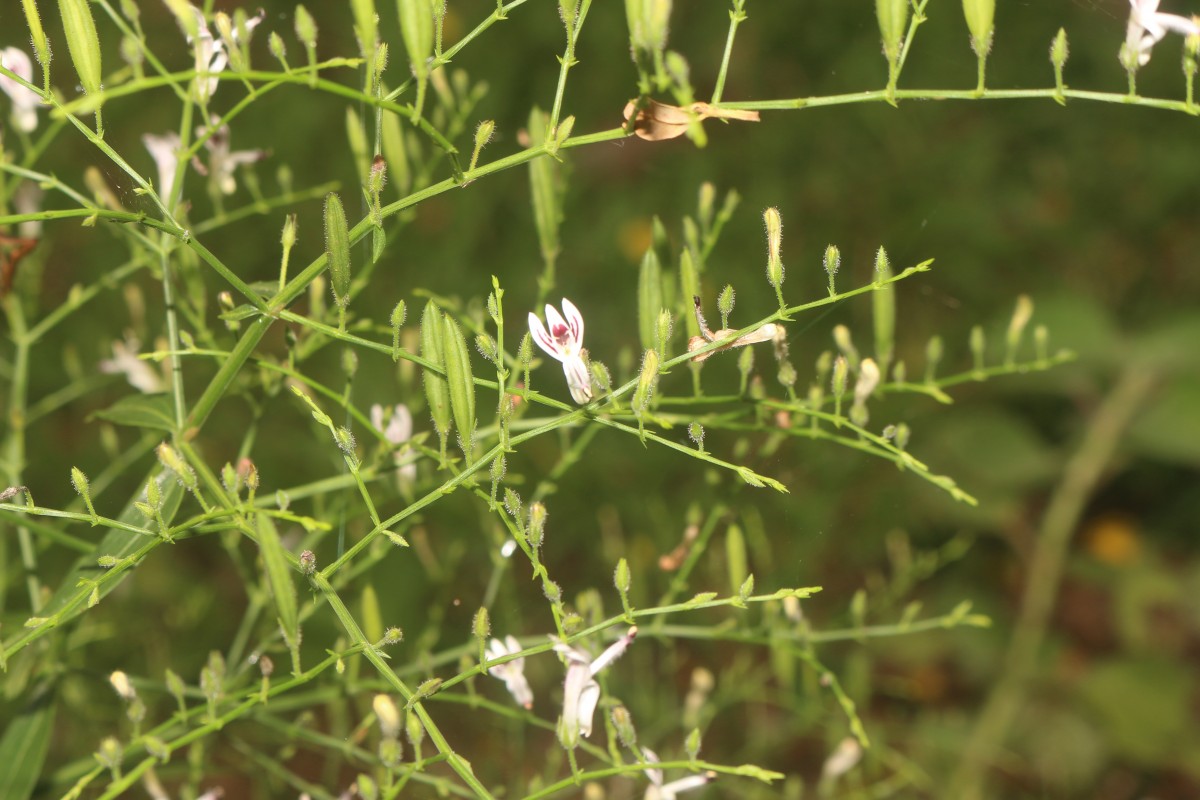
x,y
82,42
621,577
41,45
893,19
437,392
735,557
662,333
774,225
366,26
1059,50
650,298
306,27
416,27
980,15
337,248
725,304
461,384
647,381
884,307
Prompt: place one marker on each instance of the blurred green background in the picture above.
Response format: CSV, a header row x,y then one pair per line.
x,y
1089,209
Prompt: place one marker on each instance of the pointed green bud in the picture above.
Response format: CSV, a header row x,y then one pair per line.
x,y
349,362
512,502
787,374
692,745
933,357
486,346
306,28
308,562
622,721
83,43
884,308
337,248
483,135
1041,340
175,463
841,370
735,557
725,304
80,482
499,468
41,45
893,21
621,577
1059,51
845,345
650,297
1016,327
393,635
774,225
977,344
481,626
823,365
110,754
230,479
662,333
900,373
366,26
537,524
601,377
461,384
278,48
416,28
903,433
980,15
367,788
745,365
414,730
344,438
696,434
647,382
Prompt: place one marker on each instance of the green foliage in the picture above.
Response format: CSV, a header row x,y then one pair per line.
x,y
636,523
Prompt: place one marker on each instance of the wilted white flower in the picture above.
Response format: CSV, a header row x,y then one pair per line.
x,y
387,714
397,431
657,790
842,759
25,101
1147,27
581,693
868,379
210,56
763,333
511,672
222,162
120,683
564,342
125,361
165,152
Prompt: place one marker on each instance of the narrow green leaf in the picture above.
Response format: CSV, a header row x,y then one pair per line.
x,y
545,193
279,577
650,297
24,745
457,361
140,411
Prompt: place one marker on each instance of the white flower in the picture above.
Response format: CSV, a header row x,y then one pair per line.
x,y
28,200
120,683
140,374
222,162
581,693
564,342
210,55
844,757
657,790
868,379
1147,27
165,152
25,101
511,672
397,432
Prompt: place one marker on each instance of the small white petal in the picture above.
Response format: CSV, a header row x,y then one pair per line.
x,y
574,321
542,337
614,651
588,698
579,380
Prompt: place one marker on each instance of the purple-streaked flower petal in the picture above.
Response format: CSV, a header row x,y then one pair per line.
x,y
543,338
574,321
579,380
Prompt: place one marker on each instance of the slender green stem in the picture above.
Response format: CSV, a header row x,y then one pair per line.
x,y
736,17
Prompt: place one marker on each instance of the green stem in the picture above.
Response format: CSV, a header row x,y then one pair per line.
x,y
1081,478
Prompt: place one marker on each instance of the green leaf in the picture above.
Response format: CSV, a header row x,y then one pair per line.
x,y
650,297
460,382
24,745
152,411
279,578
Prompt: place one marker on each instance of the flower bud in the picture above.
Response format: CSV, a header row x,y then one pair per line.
x,y
893,21
122,686
692,744
83,43
840,370
623,722
933,356
537,523
868,379
1016,327
696,434
393,635
774,242
647,381
977,344
481,626
308,562
841,337
980,15
621,577
387,714
1059,51
306,27
277,47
